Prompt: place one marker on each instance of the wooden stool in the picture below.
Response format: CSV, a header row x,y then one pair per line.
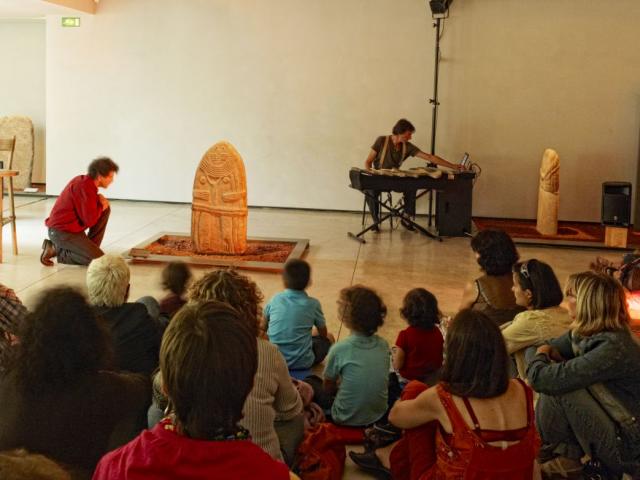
x,y
8,145
615,237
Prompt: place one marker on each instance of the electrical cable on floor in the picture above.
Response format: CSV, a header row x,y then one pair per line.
x,y
27,204
353,275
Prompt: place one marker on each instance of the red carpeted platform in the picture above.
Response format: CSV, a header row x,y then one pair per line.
x,y
570,234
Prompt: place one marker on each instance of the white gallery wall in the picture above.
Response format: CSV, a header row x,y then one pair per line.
x,y
22,80
303,87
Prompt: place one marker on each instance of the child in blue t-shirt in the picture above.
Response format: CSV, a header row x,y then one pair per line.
x,y
290,317
357,368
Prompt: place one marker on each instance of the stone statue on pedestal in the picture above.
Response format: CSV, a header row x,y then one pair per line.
x,y
549,193
219,209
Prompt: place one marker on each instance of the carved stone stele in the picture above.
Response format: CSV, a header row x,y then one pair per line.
x,y
549,193
219,208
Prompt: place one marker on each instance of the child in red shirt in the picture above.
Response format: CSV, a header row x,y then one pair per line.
x,y
418,351
208,360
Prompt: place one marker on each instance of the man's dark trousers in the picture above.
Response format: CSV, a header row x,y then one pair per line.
x,y
80,248
409,204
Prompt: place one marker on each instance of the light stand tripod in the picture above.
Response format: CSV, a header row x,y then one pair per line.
x,y
438,15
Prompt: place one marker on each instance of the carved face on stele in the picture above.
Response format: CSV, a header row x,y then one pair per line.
x,y
104,182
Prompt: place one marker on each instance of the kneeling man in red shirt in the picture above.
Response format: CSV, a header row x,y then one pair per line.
x,y
78,208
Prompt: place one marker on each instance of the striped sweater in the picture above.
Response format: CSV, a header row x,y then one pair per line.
x,y
272,398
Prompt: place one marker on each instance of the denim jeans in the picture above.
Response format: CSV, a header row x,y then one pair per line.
x,y
574,424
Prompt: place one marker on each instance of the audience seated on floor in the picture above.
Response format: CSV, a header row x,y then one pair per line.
x,y
418,351
535,288
476,423
290,317
134,327
589,383
12,315
273,409
175,280
491,293
208,361
357,368
56,397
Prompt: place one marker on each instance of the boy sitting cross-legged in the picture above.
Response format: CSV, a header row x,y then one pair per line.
x,y
290,317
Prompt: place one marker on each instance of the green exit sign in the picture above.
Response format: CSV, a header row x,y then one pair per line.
x,y
70,21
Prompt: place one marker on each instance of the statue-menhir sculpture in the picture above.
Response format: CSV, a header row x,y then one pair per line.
x,y
549,193
219,208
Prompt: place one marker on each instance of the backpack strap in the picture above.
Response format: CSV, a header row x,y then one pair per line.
x,y
383,153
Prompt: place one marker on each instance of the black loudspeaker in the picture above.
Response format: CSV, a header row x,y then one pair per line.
x,y
454,205
438,7
616,203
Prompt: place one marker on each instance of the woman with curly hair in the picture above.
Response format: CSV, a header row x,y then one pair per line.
x,y
57,399
273,409
492,292
357,368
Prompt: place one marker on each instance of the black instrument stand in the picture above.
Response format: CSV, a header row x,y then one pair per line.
x,y
397,211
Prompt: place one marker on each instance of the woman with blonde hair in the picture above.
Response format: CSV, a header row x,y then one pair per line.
x,y
589,383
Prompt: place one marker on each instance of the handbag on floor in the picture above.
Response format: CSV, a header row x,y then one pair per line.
x,y
322,453
627,427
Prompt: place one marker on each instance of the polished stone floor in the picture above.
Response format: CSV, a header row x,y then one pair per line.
x,y
392,261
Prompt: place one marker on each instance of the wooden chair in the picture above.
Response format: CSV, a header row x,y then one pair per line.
x,y
8,145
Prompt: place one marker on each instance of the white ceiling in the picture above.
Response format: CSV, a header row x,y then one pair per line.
x,y
30,9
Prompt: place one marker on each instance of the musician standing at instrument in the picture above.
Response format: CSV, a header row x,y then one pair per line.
x,y
389,152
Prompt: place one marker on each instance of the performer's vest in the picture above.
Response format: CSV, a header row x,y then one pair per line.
x,y
383,153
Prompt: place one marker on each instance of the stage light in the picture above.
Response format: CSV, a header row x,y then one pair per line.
x,y
439,7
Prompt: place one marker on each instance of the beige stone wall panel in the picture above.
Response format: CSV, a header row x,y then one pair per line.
x,y
22,128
